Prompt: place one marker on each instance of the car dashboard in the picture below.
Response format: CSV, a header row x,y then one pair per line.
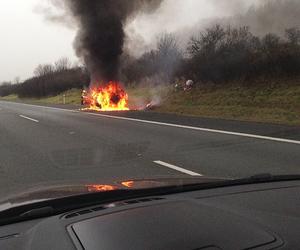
x,y
256,216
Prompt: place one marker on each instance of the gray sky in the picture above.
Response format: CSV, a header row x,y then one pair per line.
x,y
27,39
179,15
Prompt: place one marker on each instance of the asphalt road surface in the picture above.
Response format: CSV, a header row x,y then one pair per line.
x,y
42,144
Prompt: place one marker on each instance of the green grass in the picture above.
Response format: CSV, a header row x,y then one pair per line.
x,y
273,103
72,96
9,98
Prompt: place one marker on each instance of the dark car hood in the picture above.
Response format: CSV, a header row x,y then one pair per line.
x,y
60,190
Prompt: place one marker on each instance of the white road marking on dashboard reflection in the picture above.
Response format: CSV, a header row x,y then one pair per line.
x,y
165,164
28,118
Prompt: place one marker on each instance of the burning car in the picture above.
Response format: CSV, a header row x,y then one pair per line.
x,y
108,97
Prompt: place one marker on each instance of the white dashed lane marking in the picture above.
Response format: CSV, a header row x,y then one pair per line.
x,y
182,170
216,131
28,118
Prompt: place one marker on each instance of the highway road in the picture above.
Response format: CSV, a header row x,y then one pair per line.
x,y
45,144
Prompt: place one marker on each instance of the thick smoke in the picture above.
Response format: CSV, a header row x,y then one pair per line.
x,y
270,16
183,18
100,38
193,16
105,25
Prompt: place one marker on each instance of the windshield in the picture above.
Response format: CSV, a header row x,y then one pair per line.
x,y
98,93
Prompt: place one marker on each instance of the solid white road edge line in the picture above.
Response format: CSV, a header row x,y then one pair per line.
x,y
201,129
28,118
165,164
175,125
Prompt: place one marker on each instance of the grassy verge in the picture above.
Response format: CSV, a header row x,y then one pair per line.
x,y
277,103
274,104
71,97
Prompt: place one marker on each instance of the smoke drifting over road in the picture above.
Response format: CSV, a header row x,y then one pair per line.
x,y
100,38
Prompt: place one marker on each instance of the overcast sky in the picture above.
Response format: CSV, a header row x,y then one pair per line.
x,y
27,39
177,14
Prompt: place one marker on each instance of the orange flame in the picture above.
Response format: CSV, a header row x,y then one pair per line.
x,y
100,188
111,97
128,184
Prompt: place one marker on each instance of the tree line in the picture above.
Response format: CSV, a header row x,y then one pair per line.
x,y
49,80
217,54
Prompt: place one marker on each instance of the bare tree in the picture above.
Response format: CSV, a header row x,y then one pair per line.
x,y
168,54
62,64
167,44
270,42
16,80
207,41
293,35
5,83
43,70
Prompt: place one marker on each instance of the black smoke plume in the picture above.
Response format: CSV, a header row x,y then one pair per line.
x,y
100,38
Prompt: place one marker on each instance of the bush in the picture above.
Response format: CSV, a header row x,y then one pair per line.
x,y
221,55
48,84
164,61
53,83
